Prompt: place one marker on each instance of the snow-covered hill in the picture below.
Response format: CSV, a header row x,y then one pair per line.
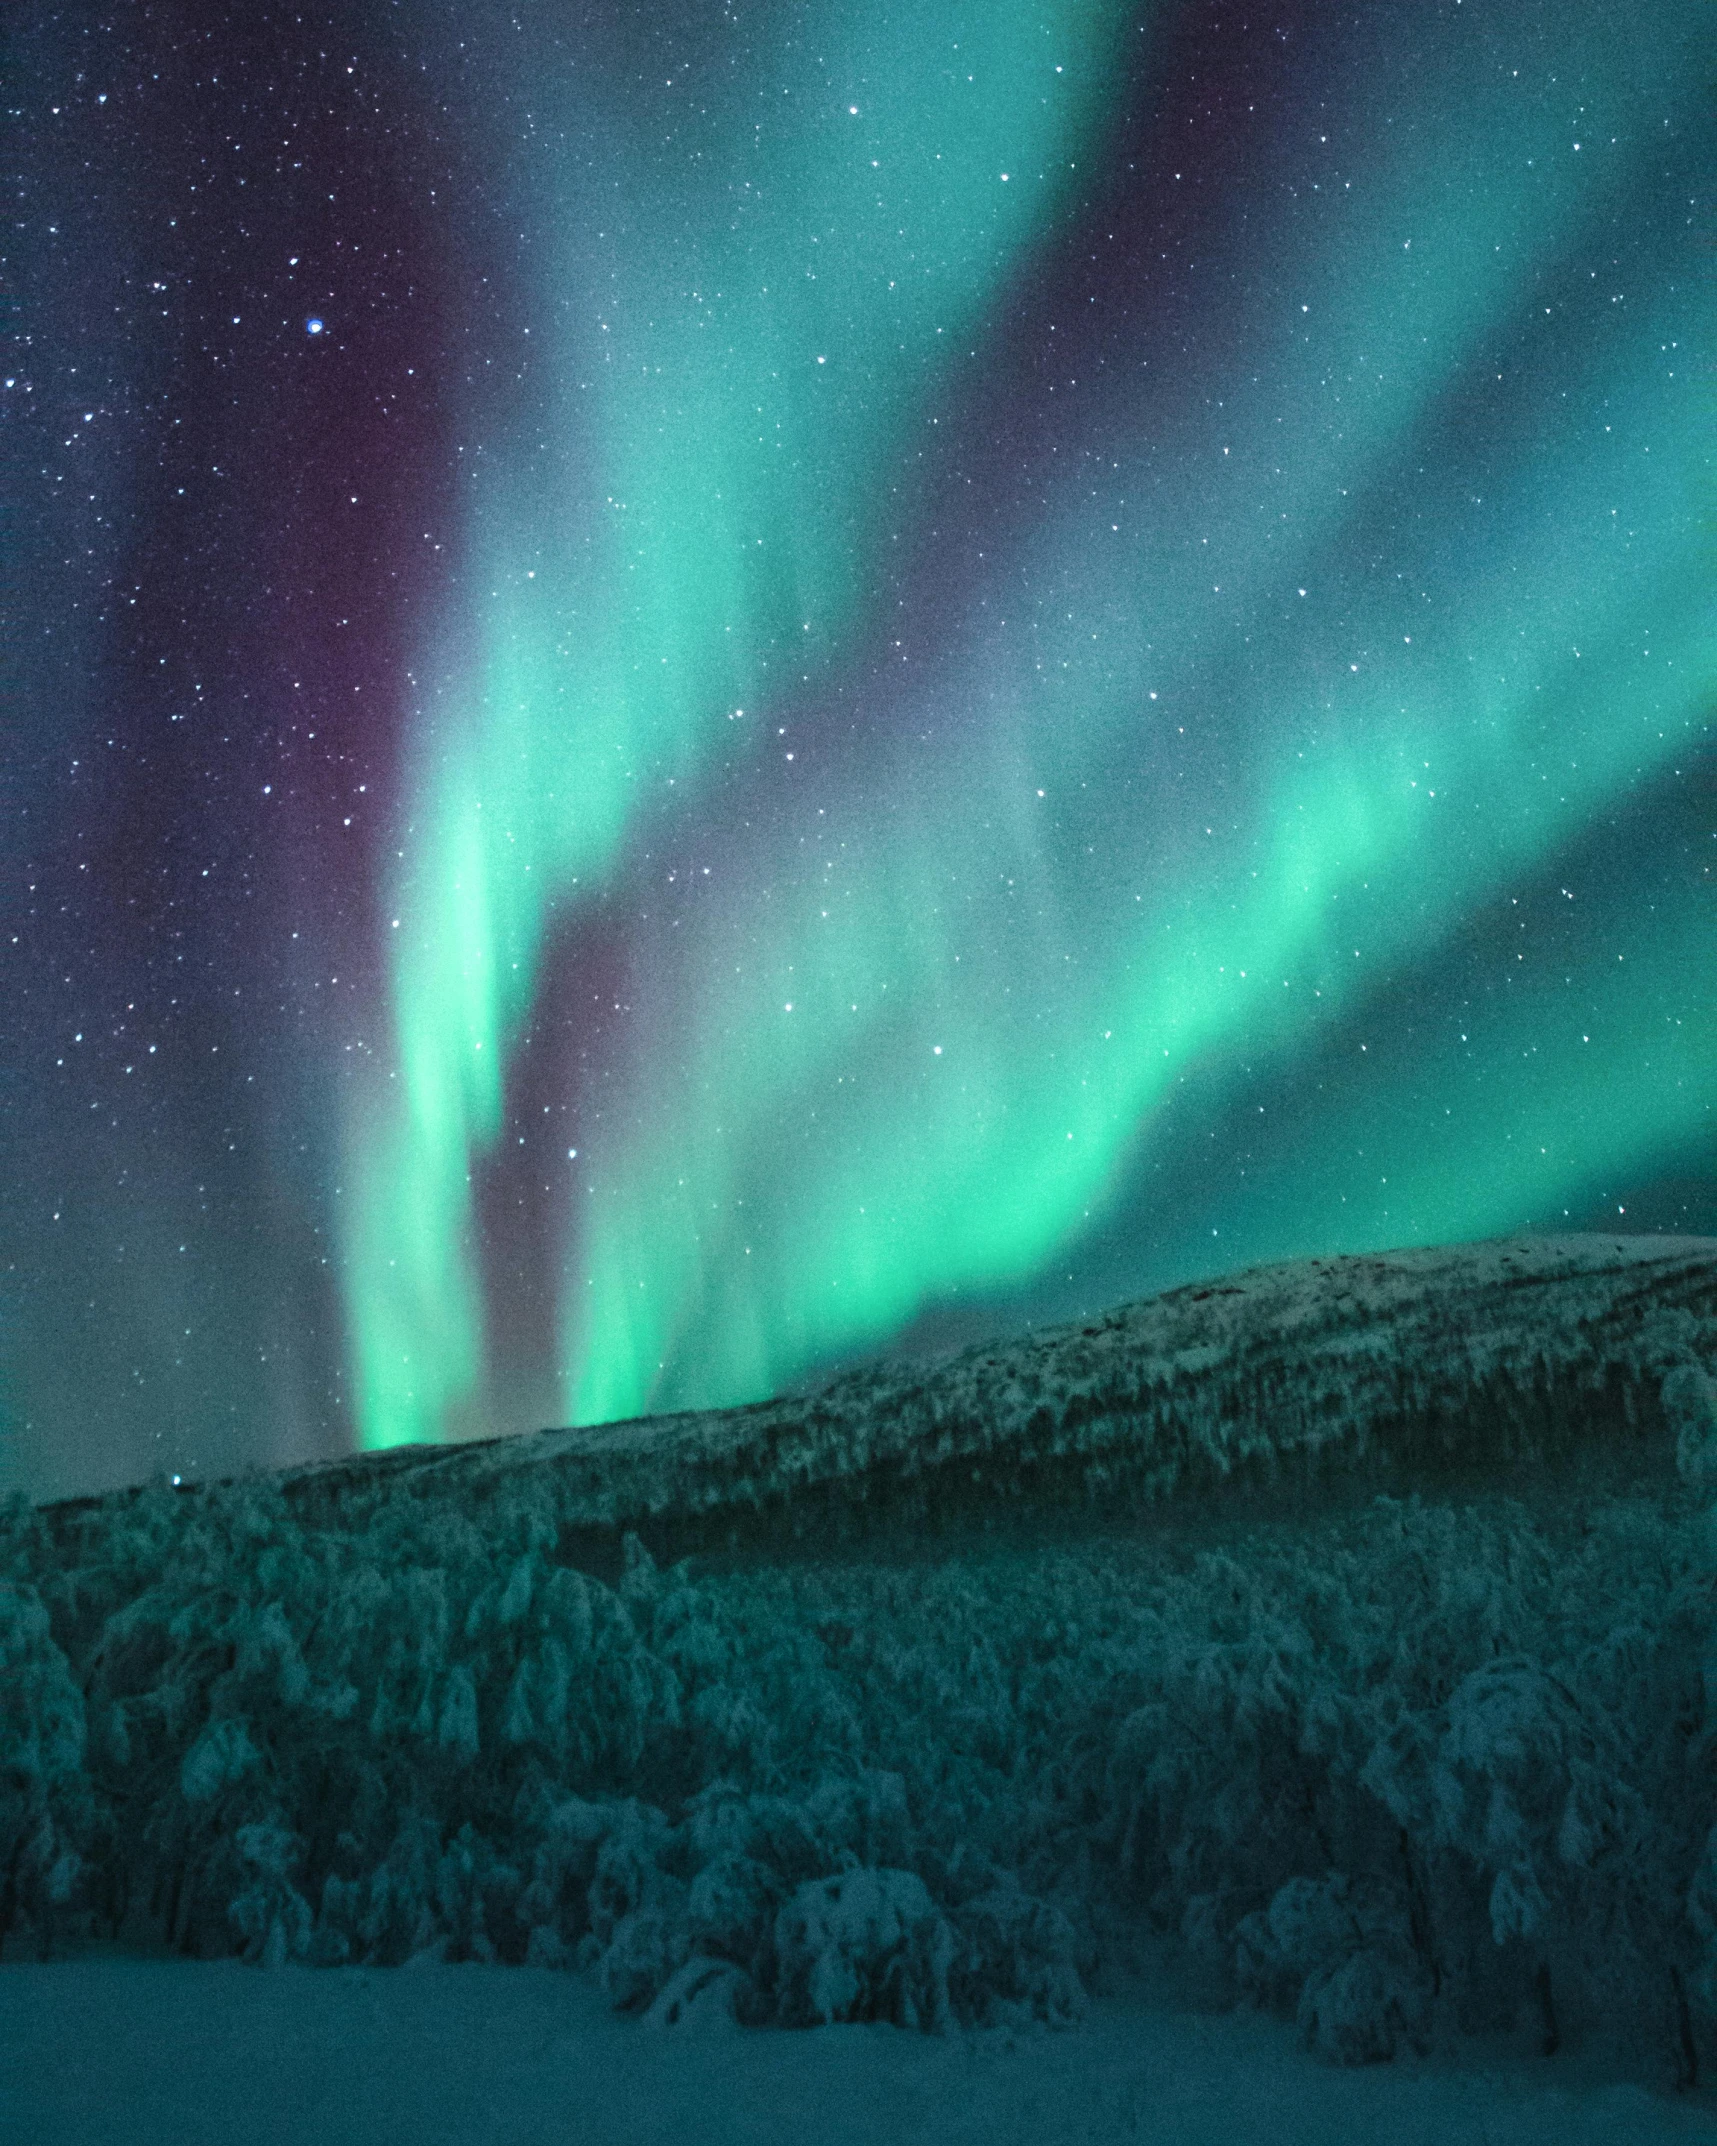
x,y
1477,1356
1345,1628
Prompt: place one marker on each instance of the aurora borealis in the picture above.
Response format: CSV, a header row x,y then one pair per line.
x,y
884,672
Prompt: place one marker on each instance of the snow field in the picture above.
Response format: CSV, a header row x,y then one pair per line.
x,y
127,2052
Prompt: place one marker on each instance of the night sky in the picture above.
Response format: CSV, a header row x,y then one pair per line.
x,y
694,692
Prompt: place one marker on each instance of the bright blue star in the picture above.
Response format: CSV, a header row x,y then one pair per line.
x,y
313,326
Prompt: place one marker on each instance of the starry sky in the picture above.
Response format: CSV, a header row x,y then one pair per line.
x,y
697,692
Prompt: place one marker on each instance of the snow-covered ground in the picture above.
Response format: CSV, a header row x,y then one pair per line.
x,y
113,2051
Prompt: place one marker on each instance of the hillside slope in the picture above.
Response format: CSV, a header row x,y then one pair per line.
x,y
1397,1366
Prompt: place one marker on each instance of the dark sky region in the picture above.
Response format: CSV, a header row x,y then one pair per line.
x,y
693,692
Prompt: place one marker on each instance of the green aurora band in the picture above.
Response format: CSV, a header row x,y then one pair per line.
x,y
762,322
1230,740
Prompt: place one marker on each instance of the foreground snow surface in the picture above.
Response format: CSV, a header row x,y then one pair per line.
x,y
121,2051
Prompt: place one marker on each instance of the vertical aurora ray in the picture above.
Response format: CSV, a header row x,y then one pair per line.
x,y
913,1049
749,301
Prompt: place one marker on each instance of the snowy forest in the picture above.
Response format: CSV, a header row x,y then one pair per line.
x,y
1344,1630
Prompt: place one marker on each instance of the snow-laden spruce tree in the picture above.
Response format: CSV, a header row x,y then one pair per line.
x,y
1689,1397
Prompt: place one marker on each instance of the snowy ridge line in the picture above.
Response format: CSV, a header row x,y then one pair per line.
x,y
1517,1350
